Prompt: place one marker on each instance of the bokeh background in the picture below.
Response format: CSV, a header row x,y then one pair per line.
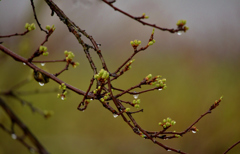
x,y
200,66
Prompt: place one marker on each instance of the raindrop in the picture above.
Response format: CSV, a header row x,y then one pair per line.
x,y
160,89
42,64
193,131
169,150
24,63
41,84
91,99
62,97
32,150
115,115
179,32
14,136
136,96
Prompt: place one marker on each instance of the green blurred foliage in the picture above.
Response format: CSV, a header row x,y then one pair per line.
x,y
195,79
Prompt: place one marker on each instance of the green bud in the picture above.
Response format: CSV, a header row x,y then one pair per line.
x,y
136,106
164,80
53,27
134,101
105,73
164,120
139,42
186,28
105,97
165,87
41,48
96,76
138,101
131,42
164,126
102,99
150,43
146,17
168,124
221,97
95,91
153,30
143,14
29,28
154,41
135,41
127,109
159,123
99,87
44,48
168,119
66,52
45,53
27,25
48,27
101,72
58,95
33,26
173,122
65,92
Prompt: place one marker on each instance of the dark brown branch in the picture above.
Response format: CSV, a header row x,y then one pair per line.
x,y
16,34
231,147
34,67
143,22
35,16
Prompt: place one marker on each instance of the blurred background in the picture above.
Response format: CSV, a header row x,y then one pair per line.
x,y
200,66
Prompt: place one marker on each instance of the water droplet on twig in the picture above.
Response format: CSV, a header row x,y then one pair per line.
x,y
62,97
160,89
115,115
41,84
14,136
194,132
24,63
42,64
179,32
135,96
169,150
32,150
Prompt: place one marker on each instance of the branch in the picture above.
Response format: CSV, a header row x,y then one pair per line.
x,y
139,19
231,147
27,132
34,67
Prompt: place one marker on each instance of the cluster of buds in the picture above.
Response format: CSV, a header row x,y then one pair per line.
x,y
181,25
144,16
69,57
102,75
135,43
159,83
194,129
50,29
136,103
64,92
48,114
128,66
167,123
30,27
151,42
43,50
